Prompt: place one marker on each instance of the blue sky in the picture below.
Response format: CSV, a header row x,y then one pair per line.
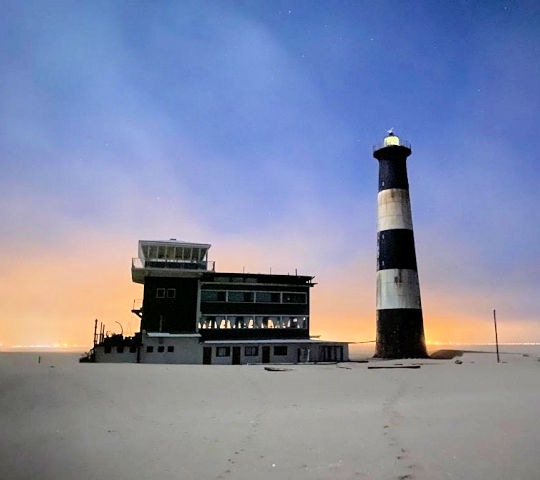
x,y
249,125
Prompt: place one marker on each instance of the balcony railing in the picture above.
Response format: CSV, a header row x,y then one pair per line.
x,y
206,265
402,143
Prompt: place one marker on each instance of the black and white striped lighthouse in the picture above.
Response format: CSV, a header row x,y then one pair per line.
x,y
400,329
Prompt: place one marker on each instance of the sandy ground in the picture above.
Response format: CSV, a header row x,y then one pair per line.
x,y
63,420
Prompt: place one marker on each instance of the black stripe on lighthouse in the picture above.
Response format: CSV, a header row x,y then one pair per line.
x,y
400,334
393,173
396,249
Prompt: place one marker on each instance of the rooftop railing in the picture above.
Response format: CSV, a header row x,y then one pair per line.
x,y
402,143
173,263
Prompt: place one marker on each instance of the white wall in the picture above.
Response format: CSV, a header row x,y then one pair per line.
x,y
186,350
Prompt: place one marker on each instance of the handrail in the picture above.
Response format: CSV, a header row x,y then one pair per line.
x,y
205,265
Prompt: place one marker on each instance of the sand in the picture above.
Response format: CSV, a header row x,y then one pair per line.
x,y
64,420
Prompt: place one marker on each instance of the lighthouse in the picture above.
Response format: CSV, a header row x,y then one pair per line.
x,y
400,328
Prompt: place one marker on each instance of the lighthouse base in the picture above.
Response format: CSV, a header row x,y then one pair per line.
x,y
400,334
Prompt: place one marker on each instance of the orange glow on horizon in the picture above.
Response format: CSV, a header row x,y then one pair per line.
x,y
52,297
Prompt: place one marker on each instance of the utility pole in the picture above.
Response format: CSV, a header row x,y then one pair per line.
x,y
496,336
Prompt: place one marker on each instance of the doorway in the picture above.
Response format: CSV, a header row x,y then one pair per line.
x,y
207,356
236,355
265,354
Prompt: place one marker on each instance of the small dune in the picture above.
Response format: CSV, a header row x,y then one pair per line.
x,y
446,354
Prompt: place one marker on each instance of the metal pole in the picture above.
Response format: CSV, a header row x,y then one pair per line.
x,y
496,336
95,332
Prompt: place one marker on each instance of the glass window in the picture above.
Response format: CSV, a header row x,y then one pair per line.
x,y
170,348
234,296
223,351
267,297
120,349
251,351
132,349
160,293
171,292
107,349
212,296
161,348
280,350
149,349
293,297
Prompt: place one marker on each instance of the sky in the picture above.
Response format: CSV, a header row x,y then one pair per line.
x,y
249,125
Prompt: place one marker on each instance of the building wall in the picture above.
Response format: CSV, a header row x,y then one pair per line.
x,y
186,350
316,354
174,315
190,351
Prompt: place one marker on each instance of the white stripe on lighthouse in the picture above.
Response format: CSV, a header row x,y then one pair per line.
x,y
394,209
398,288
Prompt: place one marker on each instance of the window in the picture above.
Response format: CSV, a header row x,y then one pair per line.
x,y
223,351
170,348
212,296
292,297
107,349
171,292
267,297
234,296
161,348
149,349
251,351
132,349
160,293
280,350
120,349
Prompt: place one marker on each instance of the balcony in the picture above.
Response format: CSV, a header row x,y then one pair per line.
x,y
204,265
402,143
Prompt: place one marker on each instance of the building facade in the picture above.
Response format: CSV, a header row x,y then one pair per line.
x,y
192,314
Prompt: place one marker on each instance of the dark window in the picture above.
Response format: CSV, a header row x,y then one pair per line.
x,y
132,349
170,348
149,349
251,351
171,292
234,296
267,297
120,349
161,348
223,351
107,349
212,296
160,293
280,350
294,297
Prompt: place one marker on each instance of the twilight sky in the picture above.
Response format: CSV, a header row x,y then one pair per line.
x,y
249,125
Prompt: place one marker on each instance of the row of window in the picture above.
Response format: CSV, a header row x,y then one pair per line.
x,y
250,297
279,350
252,321
236,296
149,349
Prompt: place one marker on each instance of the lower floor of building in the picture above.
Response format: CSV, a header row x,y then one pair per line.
x,y
191,349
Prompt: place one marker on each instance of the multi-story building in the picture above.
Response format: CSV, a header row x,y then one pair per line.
x,y
192,314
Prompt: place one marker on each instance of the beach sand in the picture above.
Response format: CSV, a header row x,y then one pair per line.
x,y
64,420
